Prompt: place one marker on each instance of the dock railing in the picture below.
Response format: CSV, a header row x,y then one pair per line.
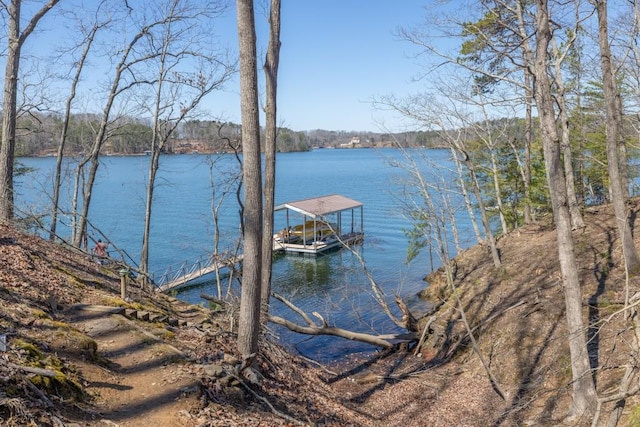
x,y
184,269
187,271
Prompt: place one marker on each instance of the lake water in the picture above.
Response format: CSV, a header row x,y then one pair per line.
x,y
334,285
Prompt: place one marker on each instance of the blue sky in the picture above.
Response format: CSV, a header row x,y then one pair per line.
x,y
335,56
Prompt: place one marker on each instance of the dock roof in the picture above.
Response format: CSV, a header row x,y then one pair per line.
x,y
319,206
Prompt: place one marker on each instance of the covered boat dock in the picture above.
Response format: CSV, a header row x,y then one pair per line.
x,y
319,224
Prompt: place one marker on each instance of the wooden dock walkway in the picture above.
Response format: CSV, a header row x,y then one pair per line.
x,y
187,273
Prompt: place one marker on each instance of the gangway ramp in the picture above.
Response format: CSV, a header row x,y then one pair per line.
x,y
189,272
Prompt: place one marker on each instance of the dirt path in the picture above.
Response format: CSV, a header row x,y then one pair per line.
x,y
143,381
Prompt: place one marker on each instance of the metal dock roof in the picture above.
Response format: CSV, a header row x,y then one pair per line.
x,y
320,206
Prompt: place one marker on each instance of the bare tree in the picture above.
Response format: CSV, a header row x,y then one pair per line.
x,y
85,45
563,118
613,128
220,189
496,51
436,115
465,193
492,136
15,40
481,207
126,76
92,159
249,320
177,94
271,78
584,393
519,11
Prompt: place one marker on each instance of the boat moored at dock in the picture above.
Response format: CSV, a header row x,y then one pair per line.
x,y
307,232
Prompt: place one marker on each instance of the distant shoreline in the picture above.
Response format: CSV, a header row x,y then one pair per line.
x,y
196,152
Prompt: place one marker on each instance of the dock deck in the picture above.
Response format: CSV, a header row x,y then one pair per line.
x,y
318,247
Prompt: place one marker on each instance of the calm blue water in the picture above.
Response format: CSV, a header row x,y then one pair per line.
x,y
182,228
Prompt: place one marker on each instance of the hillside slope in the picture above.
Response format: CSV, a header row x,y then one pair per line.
x,y
517,315
78,355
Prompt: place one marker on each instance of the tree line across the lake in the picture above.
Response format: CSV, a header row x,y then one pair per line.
x,y
38,135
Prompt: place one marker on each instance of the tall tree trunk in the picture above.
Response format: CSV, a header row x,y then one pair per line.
x,y
465,194
584,393
528,138
613,126
78,183
155,148
496,189
249,318
15,41
623,165
154,163
524,175
80,234
87,192
9,113
271,79
577,221
529,88
578,123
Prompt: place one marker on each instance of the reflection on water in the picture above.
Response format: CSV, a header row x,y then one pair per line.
x,y
304,275
313,275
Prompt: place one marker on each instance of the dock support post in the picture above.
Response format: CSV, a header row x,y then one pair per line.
x,y
124,273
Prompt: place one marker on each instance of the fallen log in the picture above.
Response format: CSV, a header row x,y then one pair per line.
x,y
383,341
